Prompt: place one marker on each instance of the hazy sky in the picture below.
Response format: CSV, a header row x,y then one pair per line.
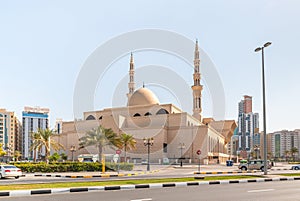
x,y
44,44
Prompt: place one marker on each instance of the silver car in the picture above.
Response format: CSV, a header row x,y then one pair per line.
x,y
254,165
10,171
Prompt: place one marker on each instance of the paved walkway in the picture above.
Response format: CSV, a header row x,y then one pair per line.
x,y
186,169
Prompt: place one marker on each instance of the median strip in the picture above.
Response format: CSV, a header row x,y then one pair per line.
x,y
164,184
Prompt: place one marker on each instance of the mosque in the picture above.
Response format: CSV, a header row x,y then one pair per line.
x,y
176,134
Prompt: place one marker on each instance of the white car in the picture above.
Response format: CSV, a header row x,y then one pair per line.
x,y
10,171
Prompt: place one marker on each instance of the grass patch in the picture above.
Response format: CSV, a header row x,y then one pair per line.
x,y
118,182
291,174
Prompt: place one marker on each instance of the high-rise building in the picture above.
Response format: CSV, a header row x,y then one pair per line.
x,y
33,119
283,141
8,131
248,127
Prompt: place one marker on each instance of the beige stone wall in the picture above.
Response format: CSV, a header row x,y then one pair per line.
x,y
172,129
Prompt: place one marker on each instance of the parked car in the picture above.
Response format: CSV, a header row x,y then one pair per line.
x,y
296,167
87,160
10,171
144,162
254,165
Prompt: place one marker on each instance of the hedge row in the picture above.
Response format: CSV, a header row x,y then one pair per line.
x,y
71,167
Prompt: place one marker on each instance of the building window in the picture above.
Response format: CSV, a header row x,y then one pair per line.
x,y
90,117
162,111
165,147
148,113
136,115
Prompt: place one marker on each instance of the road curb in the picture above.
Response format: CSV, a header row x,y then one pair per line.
x,y
16,193
227,172
94,176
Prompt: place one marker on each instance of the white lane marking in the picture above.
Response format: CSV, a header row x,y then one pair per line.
x,y
146,199
261,190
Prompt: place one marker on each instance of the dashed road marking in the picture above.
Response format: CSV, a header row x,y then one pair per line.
x,y
260,190
145,199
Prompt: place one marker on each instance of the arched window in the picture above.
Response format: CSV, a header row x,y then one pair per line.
x,y
147,114
100,118
136,115
90,117
162,111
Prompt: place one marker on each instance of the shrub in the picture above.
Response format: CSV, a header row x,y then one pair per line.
x,y
70,166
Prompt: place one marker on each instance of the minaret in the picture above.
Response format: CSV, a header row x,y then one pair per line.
x,y
197,87
131,84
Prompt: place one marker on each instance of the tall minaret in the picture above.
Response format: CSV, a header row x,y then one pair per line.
x,y
131,84
197,87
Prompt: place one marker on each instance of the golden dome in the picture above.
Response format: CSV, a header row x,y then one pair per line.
x,y
143,96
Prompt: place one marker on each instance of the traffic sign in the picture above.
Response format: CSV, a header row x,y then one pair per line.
x,y
198,152
118,151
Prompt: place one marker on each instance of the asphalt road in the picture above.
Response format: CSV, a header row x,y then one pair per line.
x,y
265,191
163,173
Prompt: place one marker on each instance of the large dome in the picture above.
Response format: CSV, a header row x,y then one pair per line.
x,y
143,96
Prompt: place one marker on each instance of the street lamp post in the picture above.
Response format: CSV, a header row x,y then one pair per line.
x,y
256,149
73,149
148,142
8,152
181,147
264,103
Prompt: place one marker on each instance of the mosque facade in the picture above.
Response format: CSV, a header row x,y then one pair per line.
x,y
176,133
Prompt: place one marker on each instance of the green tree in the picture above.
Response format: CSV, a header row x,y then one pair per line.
x,y
100,137
54,157
2,152
64,156
42,138
17,155
127,143
293,151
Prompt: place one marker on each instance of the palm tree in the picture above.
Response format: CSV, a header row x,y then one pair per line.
x,y
100,137
35,136
287,153
128,142
42,138
293,151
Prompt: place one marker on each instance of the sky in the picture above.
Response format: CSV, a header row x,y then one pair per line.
x,y
45,44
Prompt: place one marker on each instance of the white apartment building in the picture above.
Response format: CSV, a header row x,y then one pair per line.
x,y
282,141
32,119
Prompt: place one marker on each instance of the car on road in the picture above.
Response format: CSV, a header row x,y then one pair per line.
x,y
10,171
254,165
87,160
144,162
296,167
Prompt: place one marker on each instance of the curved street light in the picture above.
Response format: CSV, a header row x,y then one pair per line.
x,y
264,103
